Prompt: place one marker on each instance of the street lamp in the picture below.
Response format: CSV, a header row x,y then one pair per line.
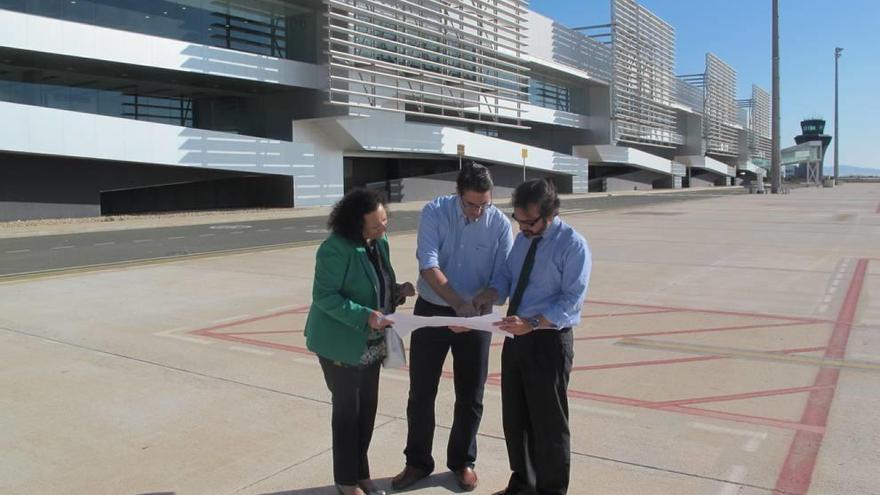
x,y
836,134
775,154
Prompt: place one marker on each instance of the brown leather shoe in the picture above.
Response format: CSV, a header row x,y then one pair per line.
x,y
408,477
467,478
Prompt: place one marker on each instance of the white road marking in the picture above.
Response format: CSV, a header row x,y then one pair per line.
x,y
827,299
251,351
236,232
823,308
15,251
207,235
736,476
231,318
138,241
287,228
753,444
601,411
176,237
63,247
730,431
262,230
172,334
104,243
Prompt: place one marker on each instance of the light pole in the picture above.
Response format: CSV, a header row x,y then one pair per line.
x,y
836,131
775,154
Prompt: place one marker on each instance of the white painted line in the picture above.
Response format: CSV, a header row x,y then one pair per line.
x,y
262,230
172,334
176,237
838,276
251,351
287,228
753,444
823,308
730,431
283,308
231,318
63,247
207,235
15,251
236,232
138,241
827,299
191,340
601,411
735,477
105,243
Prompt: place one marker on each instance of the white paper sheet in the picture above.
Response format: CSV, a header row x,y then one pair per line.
x,y
404,324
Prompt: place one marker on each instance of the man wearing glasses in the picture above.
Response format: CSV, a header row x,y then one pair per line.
x,y
463,242
546,278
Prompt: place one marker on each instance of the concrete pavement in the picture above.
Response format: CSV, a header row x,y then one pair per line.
x,y
191,377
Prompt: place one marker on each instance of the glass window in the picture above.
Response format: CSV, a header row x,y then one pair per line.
x,y
548,94
266,29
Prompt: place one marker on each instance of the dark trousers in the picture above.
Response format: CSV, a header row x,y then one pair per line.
x,y
428,349
355,391
535,369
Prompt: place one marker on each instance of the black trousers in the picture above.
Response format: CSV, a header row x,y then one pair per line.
x,y
355,391
535,369
428,349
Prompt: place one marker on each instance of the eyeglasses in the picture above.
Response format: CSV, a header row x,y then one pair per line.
x,y
527,223
472,207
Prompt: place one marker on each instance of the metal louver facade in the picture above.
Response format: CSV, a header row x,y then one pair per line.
x,y
720,115
455,60
644,60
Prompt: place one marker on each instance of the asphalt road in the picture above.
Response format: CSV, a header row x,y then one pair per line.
x,y
44,254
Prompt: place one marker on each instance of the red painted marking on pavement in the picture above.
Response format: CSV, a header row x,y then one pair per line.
x,y
298,310
268,332
695,330
740,396
797,470
634,313
683,360
258,343
745,418
712,311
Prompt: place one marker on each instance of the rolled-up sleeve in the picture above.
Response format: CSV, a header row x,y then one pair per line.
x,y
577,264
428,244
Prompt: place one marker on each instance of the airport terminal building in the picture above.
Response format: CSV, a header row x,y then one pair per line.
x,y
129,106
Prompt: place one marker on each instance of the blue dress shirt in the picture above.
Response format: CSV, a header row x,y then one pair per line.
x,y
471,254
558,283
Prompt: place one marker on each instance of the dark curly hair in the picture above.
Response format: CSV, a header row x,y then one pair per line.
x,y
473,177
347,217
539,192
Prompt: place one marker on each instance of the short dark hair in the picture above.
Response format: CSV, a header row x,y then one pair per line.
x,y
474,177
539,192
347,217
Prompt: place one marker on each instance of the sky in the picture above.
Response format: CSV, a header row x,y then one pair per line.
x,y
739,32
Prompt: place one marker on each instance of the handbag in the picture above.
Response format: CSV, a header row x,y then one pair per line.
x,y
396,353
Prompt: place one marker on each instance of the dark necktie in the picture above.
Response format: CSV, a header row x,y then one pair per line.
x,y
523,280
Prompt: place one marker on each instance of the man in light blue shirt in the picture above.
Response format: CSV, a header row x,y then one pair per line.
x,y
463,242
546,279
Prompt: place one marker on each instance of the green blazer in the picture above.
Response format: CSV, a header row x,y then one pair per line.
x,y
344,293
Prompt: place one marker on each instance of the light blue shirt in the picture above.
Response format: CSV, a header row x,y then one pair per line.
x,y
560,276
471,254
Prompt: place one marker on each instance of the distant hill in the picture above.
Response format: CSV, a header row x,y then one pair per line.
x,y
847,170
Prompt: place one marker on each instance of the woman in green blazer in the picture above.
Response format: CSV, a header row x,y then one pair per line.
x,y
354,287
